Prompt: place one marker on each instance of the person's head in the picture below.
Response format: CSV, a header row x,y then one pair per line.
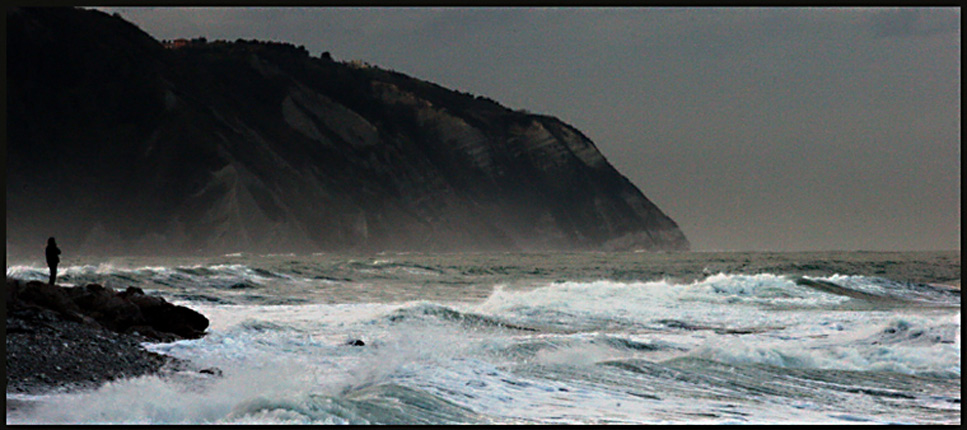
x,y
51,241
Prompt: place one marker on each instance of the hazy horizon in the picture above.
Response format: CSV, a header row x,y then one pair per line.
x,y
755,129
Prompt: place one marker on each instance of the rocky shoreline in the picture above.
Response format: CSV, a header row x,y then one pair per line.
x,y
69,338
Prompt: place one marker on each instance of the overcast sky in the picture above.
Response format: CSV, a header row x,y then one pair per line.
x,y
754,129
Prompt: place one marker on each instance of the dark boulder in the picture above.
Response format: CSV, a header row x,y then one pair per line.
x,y
107,307
36,293
129,311
166,317
214,371
150,332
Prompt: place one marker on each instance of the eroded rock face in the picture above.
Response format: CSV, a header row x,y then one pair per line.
x,y
118,145
97,306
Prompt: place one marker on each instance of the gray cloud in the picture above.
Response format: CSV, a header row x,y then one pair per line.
x,y
771,128
914,22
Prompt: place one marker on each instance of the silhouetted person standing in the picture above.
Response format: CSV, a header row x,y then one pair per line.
x,y
52,259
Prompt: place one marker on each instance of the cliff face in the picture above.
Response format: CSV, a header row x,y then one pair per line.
x,y
119,145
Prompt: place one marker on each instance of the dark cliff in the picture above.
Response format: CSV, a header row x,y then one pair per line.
x,y
119,145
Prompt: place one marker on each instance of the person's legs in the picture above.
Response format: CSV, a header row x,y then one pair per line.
x,y
53,273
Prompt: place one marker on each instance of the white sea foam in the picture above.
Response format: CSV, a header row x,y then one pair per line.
x,y
709,302
28,273
151,399
582,354
926,347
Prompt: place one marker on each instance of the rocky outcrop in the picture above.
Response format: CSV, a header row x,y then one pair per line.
x,y
130,311
46,352
118,145
63,338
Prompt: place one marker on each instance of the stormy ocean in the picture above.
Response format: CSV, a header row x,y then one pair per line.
x,y
824,337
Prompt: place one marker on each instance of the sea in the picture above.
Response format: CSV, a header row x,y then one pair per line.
x,y
545,338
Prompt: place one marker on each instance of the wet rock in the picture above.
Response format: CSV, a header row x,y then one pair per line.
x,y
43,295
60,338
61,354
166,317
211,371
96,305
150,333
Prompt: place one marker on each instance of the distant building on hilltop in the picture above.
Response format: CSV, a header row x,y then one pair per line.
x,y
175,44
182,42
